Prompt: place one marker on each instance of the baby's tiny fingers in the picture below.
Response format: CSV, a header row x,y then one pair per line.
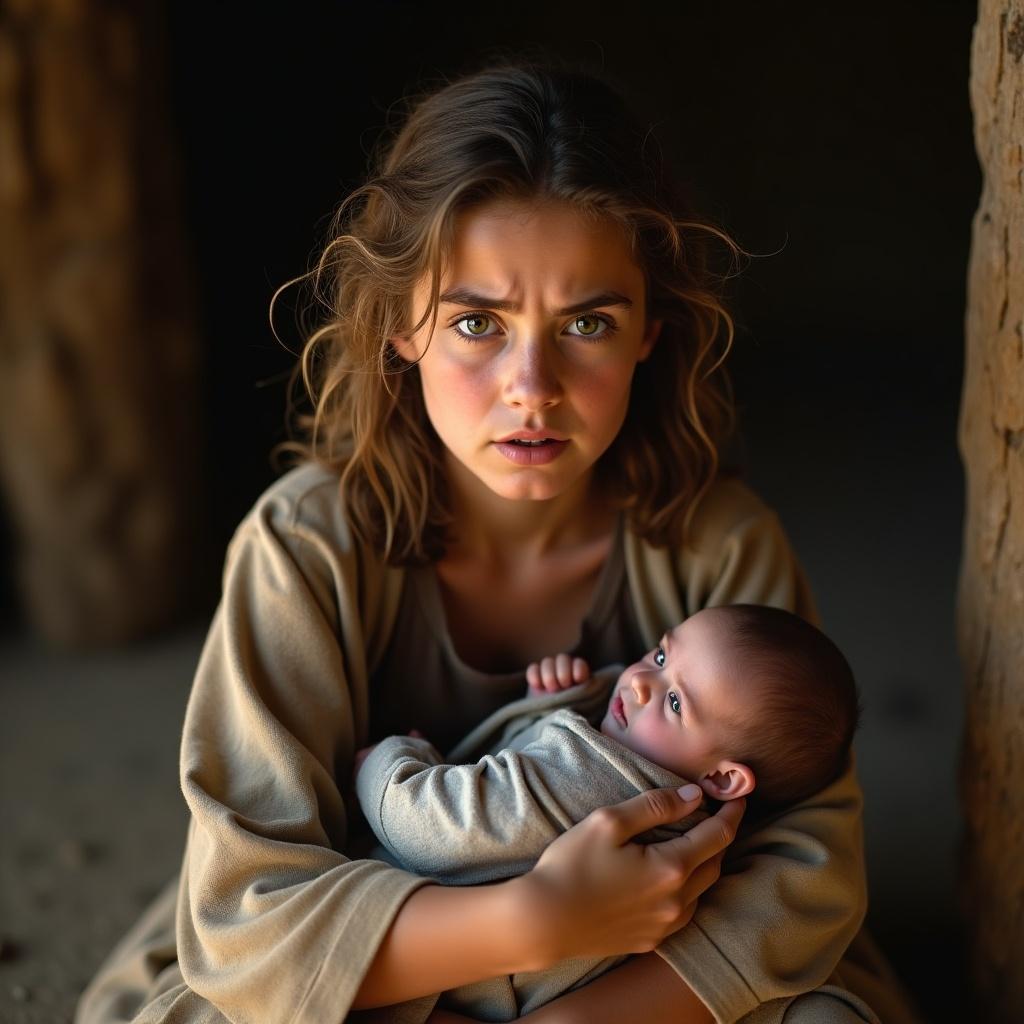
x,y
533,675
563,670
580,670
548,675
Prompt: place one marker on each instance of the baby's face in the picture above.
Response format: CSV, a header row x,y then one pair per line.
x,y
671,706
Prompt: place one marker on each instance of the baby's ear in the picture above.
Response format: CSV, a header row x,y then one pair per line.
x,y
728,780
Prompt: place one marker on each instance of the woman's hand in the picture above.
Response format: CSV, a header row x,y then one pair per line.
x,y
595,893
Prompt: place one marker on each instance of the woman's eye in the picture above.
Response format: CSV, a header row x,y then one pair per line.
x,y
476,325
590,325
673,703
482,325
659,657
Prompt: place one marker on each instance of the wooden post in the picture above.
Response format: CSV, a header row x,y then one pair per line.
x,y
991,593
97,341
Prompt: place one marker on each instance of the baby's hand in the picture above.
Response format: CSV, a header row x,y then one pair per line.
x,y
550,675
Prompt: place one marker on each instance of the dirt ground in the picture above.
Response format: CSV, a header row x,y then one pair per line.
x,y
95,822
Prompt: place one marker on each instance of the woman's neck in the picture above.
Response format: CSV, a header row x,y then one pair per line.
x,y
503,531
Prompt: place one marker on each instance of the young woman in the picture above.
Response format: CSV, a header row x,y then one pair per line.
x,y
519,404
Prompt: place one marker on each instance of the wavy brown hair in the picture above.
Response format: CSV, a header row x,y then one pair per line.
x,y
519,130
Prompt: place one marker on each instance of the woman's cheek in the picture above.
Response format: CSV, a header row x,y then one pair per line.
x,y
606,394
462,381
468,389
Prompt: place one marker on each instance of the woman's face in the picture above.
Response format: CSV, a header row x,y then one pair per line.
x,y
541,323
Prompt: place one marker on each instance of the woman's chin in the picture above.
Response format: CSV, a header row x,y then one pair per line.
x,y
537,489
530,492
529,485
540,485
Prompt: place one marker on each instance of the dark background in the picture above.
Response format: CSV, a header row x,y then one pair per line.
x,y
837,138
833,139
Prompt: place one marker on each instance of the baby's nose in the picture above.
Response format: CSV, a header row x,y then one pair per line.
x,y
641,688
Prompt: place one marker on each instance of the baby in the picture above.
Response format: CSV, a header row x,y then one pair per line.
x,y
742,700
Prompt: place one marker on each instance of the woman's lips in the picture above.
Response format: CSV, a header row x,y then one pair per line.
x,y
532,454
619,710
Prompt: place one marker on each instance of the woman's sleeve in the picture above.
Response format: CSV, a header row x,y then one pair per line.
x,y
274,923
792,894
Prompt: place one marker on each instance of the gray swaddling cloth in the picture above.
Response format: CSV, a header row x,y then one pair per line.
x,y
536,767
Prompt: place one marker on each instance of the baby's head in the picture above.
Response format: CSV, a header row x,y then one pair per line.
x,y
739,697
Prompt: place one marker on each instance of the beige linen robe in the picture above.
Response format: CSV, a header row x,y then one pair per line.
x,y
272,922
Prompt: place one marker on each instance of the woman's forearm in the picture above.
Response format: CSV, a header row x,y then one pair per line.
x,y
643,988
572,903
443,937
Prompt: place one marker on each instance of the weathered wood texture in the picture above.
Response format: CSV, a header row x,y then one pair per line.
x,y
991,594
97,341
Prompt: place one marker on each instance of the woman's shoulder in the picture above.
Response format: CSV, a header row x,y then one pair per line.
x,y
728,506
303,513
304,508
728,509
736,551
296,534
308,494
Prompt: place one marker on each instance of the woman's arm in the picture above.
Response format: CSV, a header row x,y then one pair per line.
x,y
780,903
274,922
791,898
792,893
443,937
592,893
644,988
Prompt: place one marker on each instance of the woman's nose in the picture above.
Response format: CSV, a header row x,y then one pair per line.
x,y
531,382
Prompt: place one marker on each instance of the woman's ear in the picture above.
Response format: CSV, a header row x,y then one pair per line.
x,y
728,780
404,347
651,332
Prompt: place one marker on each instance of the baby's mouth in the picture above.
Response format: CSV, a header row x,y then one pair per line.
x,y
619,710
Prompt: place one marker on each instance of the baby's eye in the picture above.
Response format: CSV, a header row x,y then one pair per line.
x,y
659,657
673,703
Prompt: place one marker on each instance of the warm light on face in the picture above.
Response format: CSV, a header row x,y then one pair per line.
x,y
527,374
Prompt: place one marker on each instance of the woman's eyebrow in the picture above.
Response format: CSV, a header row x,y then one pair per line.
x,y
459,296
